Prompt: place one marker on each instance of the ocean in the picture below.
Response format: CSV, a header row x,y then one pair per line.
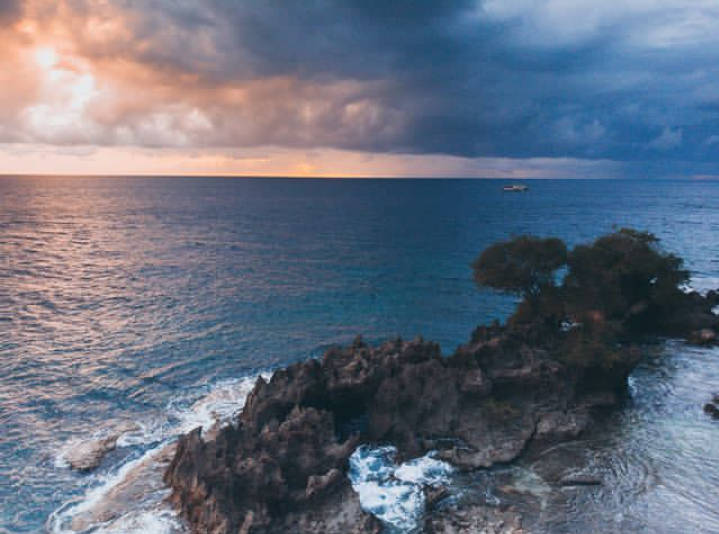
x,y
151,304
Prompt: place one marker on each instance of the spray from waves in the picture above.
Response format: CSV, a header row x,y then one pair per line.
x,y
701,284
205,407
150,522
394,493
129,498
102,505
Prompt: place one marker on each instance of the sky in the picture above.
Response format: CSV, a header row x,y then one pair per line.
x,y
481,88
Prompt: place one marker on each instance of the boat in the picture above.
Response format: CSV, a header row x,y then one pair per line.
x,y
516,188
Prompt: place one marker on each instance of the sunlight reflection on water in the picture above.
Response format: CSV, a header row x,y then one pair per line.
x,y
119,295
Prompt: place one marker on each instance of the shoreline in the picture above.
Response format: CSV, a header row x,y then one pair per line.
x,y
563,358
513,492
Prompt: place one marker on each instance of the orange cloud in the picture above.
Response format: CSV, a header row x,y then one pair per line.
x,y
101,87
95,76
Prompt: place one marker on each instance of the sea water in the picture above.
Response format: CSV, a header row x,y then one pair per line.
x,y
153,303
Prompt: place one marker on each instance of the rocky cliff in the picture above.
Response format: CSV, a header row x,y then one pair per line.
x,y
282,466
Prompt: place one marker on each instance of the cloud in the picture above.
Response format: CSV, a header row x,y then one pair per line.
x,y
667,140
10,10
529,79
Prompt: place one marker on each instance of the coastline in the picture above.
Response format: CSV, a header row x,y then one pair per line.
x,y
444,512
511,391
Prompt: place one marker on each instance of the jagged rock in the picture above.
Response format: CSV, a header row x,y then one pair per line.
x,y
87,455
712,409
559,426
704,336
286,456
264,478
474,519
433,495
580,480
281,466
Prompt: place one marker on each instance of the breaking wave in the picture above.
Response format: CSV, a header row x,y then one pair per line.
x,y
395,493
129,497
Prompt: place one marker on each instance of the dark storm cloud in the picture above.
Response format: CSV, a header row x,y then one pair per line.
x,y
553,78
476,80
9,10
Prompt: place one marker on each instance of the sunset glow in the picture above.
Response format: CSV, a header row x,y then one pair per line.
x,y
231,88
46,57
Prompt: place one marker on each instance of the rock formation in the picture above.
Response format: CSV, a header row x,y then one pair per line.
x,y
87,455
288,453
281,467
712,408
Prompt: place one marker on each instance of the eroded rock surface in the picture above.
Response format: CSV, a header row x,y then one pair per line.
x,y
286,456
87,455
474,520
562,357
142,480
712,408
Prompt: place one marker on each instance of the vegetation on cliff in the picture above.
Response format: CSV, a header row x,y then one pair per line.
x,y
613,291
539,379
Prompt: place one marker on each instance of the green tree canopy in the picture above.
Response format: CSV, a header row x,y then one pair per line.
x,y
524,265
616,287
622,270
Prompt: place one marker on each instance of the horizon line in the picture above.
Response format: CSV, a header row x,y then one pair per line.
x,y
342,177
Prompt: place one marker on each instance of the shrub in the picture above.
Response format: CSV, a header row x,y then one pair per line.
x,y
626,277
619,286
524,265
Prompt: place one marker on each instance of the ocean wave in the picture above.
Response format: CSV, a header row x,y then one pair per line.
x,y
105,501
701,284
129,497
394,493
163,521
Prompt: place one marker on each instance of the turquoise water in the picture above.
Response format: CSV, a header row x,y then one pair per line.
x,y
133,299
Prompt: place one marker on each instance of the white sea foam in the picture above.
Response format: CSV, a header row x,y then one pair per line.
x,y
427,471
701,284
632,386
60,521
158,521
207,407
214,405
210,406
222,402
393,493
396,504
529,481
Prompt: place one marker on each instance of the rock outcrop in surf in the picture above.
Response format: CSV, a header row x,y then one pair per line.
x,y
712,408
564,356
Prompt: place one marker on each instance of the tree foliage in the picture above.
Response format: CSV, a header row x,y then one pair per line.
x,y
624,274
619,286
523,265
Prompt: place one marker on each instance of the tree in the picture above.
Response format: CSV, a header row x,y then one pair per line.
x,y
625,276
620,286
524,265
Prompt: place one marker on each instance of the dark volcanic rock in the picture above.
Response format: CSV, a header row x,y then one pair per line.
x,y
704,336
581,480
474,519
281,467
249,475
285,459
712,408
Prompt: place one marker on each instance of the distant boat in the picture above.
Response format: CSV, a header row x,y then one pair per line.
x,y
516,188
